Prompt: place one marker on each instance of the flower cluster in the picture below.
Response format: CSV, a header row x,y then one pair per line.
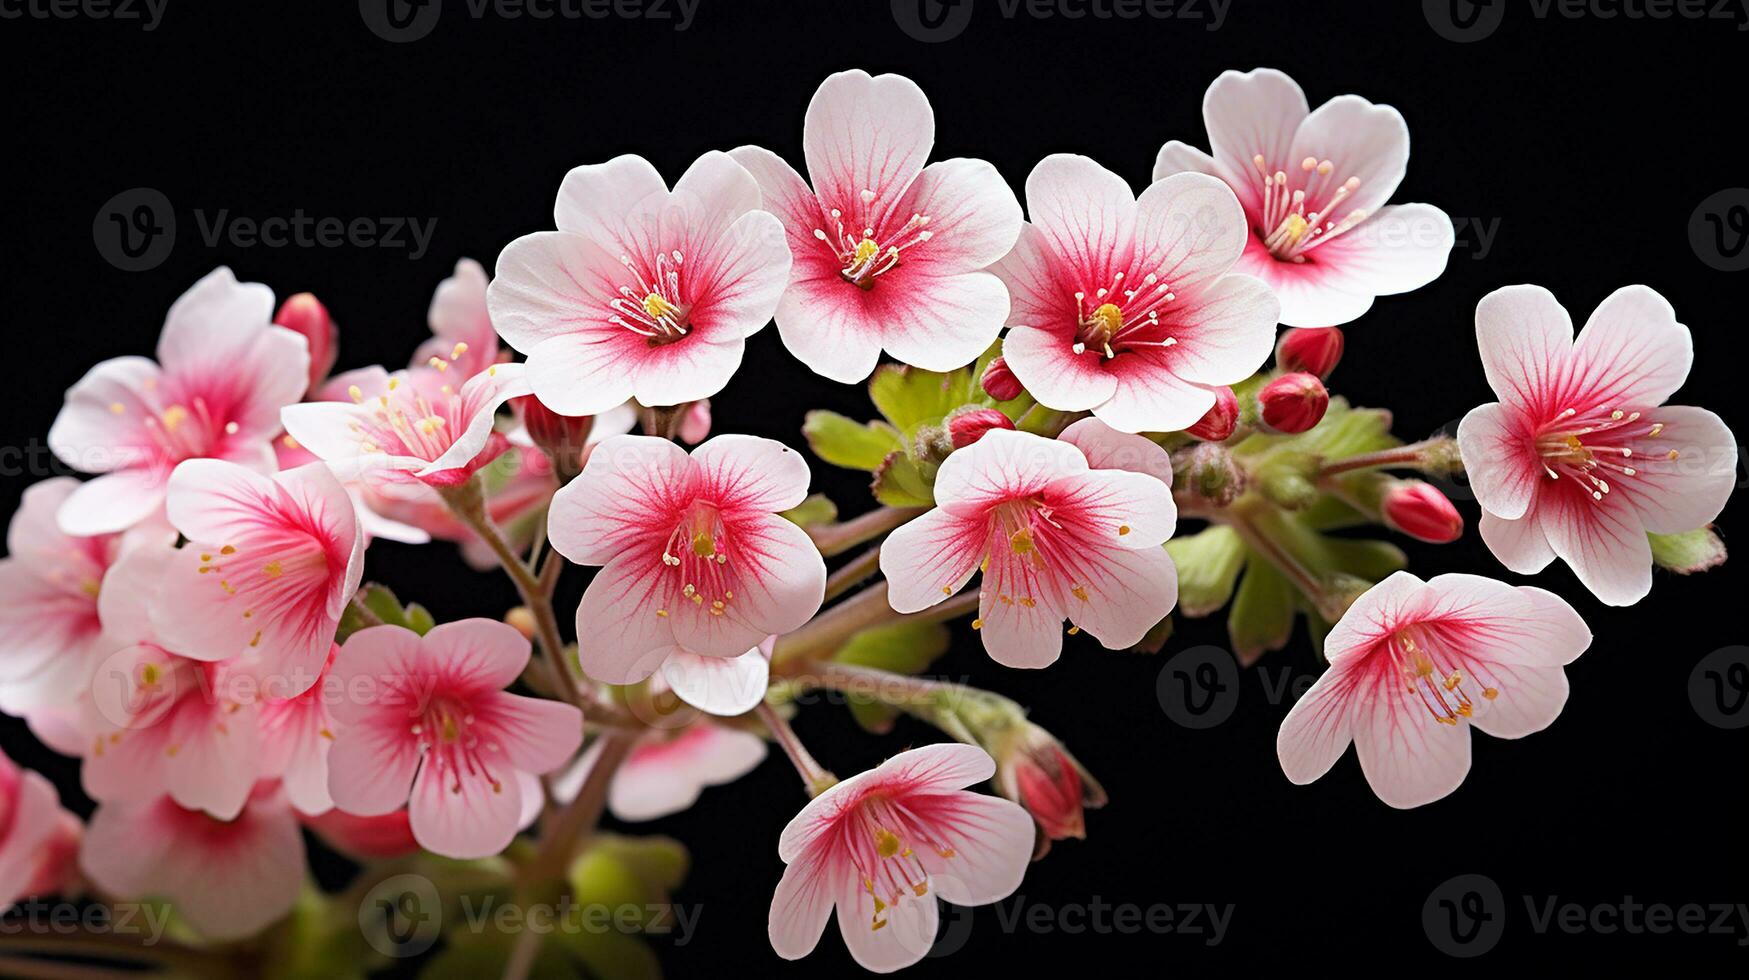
x,y
1073,379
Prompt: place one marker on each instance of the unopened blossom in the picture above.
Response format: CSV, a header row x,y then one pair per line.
x,y
1419,510
889,253
1220,421
1056,539
37,836
270,565
50,633
1413,665
427,725
156,722
1293,403
1127,306
1314,186
296,733
1581,457
642,292
304,315
694,554
462,342
999,382
1036,771
969,425
882,846
412,425
229,879
223,373
1314,350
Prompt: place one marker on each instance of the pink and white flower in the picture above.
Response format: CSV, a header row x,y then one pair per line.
x,y
695,557
1414,664
270,565
50,632
666,771
642,292
296,733
229,879
1581,457
223,373
881,846
410,425
1314,187
37,836
432,717
889,253
462,342
1125,306
1056,538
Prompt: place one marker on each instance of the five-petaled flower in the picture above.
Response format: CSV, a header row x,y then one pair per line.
x,y
1055,536
1314,187
430,714
223,373
1125,305
643,292
1414,664
695,557
1581,458
889,253
883,845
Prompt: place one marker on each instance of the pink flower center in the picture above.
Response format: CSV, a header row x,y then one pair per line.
x,y
864,256
1299,210
1027,538
1117,319
448,734
277,572
880,836
182,432
406,422
697,554
1593,448
652,306
1434,677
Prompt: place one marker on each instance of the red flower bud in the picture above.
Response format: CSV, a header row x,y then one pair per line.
x,y
999,382
305,316
1422,512
561,437
1314,350
1036,772
1218,422
968,426
1293,403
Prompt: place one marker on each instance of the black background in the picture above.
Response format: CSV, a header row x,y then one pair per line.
x,y
1586,143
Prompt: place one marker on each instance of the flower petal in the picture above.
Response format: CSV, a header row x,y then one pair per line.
x,y
930,558
866,134
1409,759
1497,443
1526,338
1632,352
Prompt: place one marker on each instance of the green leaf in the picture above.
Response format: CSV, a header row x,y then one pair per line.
x,y
900,483
1688,552
1208,563
846,442
1363,558
661,862
381,600
911,398
1262,617
902,648
816,509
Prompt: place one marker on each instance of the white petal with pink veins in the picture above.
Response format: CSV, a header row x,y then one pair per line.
x,y
667,777
973,215
1526,338
1528,699
624,638
1107,448
479,654
1021,610
1086,214
675,373
1149,397
370,771
1687,492
741,273
1359,139
554,284
596,517
1189,229
1379,611
752,472
1400,248
1499,453
726,686
104,416
1003,464
1519,545
802,904
1247,113
481,397
828,324
785,194
213,319
1308,297
945,321
779,582
477,820
904,938
595,199
1318,729
1603,541
1223,332
991,841
1128,593
1409,759
1632,352
865,133
930,558
537,735
113,502
1045,363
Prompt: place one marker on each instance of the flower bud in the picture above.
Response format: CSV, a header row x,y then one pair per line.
x,y
305,316
1036,771
1422,512
695,423
1219,421
999,382
1210,473
561,437
969,425
1313,350
1293,403
521,618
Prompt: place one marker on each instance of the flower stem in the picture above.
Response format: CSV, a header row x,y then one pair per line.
x,y
853,572
1412,456
836,539
868,608
814,776
1309,584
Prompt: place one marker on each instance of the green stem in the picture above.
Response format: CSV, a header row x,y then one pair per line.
x,y
868,608
853,572
1309,584
1410,457
836,539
